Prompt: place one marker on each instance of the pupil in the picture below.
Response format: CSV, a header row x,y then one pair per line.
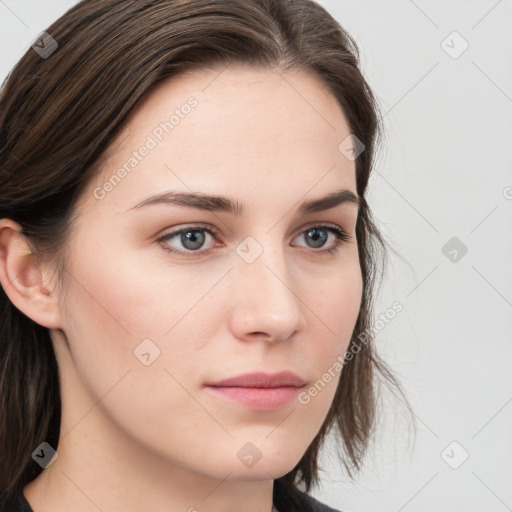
x,y
194,238
317,239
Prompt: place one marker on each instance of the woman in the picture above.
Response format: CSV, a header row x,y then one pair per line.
x,y
187,258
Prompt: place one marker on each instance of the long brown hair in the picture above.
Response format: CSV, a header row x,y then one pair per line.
x,y
58,115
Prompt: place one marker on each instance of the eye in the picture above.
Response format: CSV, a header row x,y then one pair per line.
x,y
192,238
319,234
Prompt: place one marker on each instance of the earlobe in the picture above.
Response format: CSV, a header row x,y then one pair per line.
x,y
22,277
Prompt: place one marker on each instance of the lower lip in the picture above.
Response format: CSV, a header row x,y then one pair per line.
x,y
263,399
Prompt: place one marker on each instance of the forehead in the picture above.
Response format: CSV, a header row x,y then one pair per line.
x,y
230,127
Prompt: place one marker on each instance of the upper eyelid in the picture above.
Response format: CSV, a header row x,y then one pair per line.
x,y
188,227
215,231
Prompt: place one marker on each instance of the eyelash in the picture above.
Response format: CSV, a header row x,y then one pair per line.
x,y
342,237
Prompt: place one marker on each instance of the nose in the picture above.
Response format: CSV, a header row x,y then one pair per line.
x,y
267,303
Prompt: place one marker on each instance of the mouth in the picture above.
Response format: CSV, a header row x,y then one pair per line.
x,y
259,391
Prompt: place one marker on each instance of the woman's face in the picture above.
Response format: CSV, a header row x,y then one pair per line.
x,y
146,328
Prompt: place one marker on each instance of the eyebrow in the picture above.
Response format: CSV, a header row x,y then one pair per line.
x,y
213,203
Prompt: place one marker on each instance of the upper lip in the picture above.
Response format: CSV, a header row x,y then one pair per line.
x,y
262,380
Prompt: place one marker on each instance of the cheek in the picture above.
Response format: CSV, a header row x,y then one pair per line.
x,y
116,304
110,313
338,305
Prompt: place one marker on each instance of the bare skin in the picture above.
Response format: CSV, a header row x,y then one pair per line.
x,y
151,437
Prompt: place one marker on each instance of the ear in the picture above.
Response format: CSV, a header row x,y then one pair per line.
x,y
24,280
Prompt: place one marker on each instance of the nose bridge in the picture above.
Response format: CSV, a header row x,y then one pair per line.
x,y
268,302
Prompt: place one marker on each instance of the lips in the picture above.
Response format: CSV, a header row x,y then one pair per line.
x,y
259,391
261,380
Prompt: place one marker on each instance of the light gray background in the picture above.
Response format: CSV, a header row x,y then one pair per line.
x,y
445,171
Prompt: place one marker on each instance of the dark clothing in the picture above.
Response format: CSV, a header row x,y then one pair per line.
x,y
292,500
